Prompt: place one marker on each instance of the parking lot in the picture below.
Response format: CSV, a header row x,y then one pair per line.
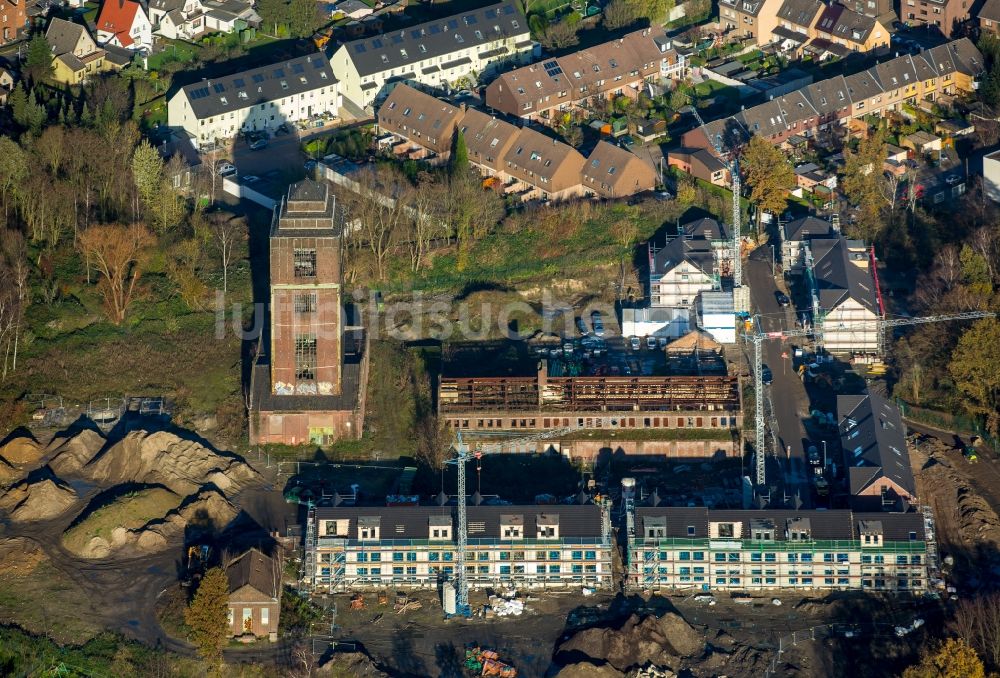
x,y
282,154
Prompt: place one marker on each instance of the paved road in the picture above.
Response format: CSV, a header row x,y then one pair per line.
x,y
788,396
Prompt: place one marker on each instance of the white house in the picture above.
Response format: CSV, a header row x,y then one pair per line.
x,y
716,315
124,23
177,19
795,237
258,99
845,301
991,175
437,53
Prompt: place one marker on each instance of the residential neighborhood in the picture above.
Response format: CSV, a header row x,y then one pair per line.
x,y
499,338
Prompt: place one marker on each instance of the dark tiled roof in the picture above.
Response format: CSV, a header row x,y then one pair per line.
x,y
799,12
838,279
63,35
256,570
308,190
840,525
789,34
873,437
808,227
268,83
412,522
990,10
437,38
751,7
697,252
843,23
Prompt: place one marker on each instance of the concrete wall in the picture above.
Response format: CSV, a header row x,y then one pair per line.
x,y
589,450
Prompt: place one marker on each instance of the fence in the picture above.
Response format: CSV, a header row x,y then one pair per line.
x,y
868,629
947,422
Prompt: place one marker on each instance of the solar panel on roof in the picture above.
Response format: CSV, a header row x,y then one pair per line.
x,y
415,34
508,9
358,49
396,39
377,43
219,88
239,82
491,14
279,72
452,24
317,64
470,20
435,29
258,78
297,68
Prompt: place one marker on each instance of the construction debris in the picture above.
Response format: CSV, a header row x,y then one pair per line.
x,y
507,608
357,602
487,663
408,606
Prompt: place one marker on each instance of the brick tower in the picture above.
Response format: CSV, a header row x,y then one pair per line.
x,y
306,388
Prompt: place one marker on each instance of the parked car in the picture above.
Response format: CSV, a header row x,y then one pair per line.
x,y
634,343
663,342
582,327
782,298
765,375
258,145
309,165
282,129
597,323
250,178
226,169
651,343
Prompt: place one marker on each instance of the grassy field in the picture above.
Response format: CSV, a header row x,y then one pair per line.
x,y
46,602
130,511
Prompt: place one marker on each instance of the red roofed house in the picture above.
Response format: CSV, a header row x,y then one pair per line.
x,y
123,23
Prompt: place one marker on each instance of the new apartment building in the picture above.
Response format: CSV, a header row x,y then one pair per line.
x,y
678,549
845,304
259,99
616,68
436,53
534,546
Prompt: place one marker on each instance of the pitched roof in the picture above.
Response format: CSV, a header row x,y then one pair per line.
x,y
751,7
166,5
800,12
256,570
438,38
536,159
697,252
873,438
808,227
117,17
63,35
990,11
413,522
267,83
420,117
608,166
487,138
837,279
846,24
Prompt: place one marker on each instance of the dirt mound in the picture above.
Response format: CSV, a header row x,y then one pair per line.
x,y
209,511
7,472
109,519
19,556
22,451
164,458
70,454
638,642
588,670
41,499
350,664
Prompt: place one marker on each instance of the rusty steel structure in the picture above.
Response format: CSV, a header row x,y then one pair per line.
x,y
463,395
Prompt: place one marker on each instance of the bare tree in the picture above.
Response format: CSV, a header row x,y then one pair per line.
x,y
379,213
16,254
977,620
118,253
228,233
426,219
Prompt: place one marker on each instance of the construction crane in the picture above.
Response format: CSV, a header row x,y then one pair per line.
x,y
732,164
758,336
462,455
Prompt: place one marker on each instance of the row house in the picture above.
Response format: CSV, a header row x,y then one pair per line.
x,y
699,549
845,304
437,53
259,99
873,440
751,20
810,25
617,68
551,546
125,24
796,236
518,160
947,69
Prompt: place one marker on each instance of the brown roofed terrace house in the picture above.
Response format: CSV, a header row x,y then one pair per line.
x,y
254,594
945,15
309,388
539,167
613,172
425,124
989,17
616,68
753,19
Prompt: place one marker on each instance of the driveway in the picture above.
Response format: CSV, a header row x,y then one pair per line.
x,y
789,401
282,154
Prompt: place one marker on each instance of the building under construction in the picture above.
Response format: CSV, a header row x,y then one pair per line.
x,y
541,402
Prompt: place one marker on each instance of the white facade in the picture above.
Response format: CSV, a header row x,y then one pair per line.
x,y
991,175
140,33
656,322
679,286
850,328
717,316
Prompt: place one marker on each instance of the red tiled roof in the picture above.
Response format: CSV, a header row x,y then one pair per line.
x,y
117,17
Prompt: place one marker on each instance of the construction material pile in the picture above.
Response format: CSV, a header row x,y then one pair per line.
x,y
70,453
19,556
22,451
487,663
506,608
43,498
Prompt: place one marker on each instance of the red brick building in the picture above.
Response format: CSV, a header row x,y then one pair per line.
x,y
13,20
308,388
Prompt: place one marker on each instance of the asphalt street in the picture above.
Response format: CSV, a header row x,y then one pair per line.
x,y
789,401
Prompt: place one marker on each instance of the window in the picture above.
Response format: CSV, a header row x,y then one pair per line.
x,y
726,530
305,303
590,555
305,263
305,356
411,557
397,557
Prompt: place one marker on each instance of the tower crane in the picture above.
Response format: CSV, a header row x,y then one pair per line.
x,y
758,336
462,455
732,164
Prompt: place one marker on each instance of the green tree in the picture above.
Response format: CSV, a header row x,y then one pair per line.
x,y
954,658
38,63
13,171
861,181
974,369
147,172
273,13
25,111
976,273
302,19
460,154
618,14
207,616
768,174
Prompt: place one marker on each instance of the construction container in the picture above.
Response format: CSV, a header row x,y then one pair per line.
x,y
449,598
